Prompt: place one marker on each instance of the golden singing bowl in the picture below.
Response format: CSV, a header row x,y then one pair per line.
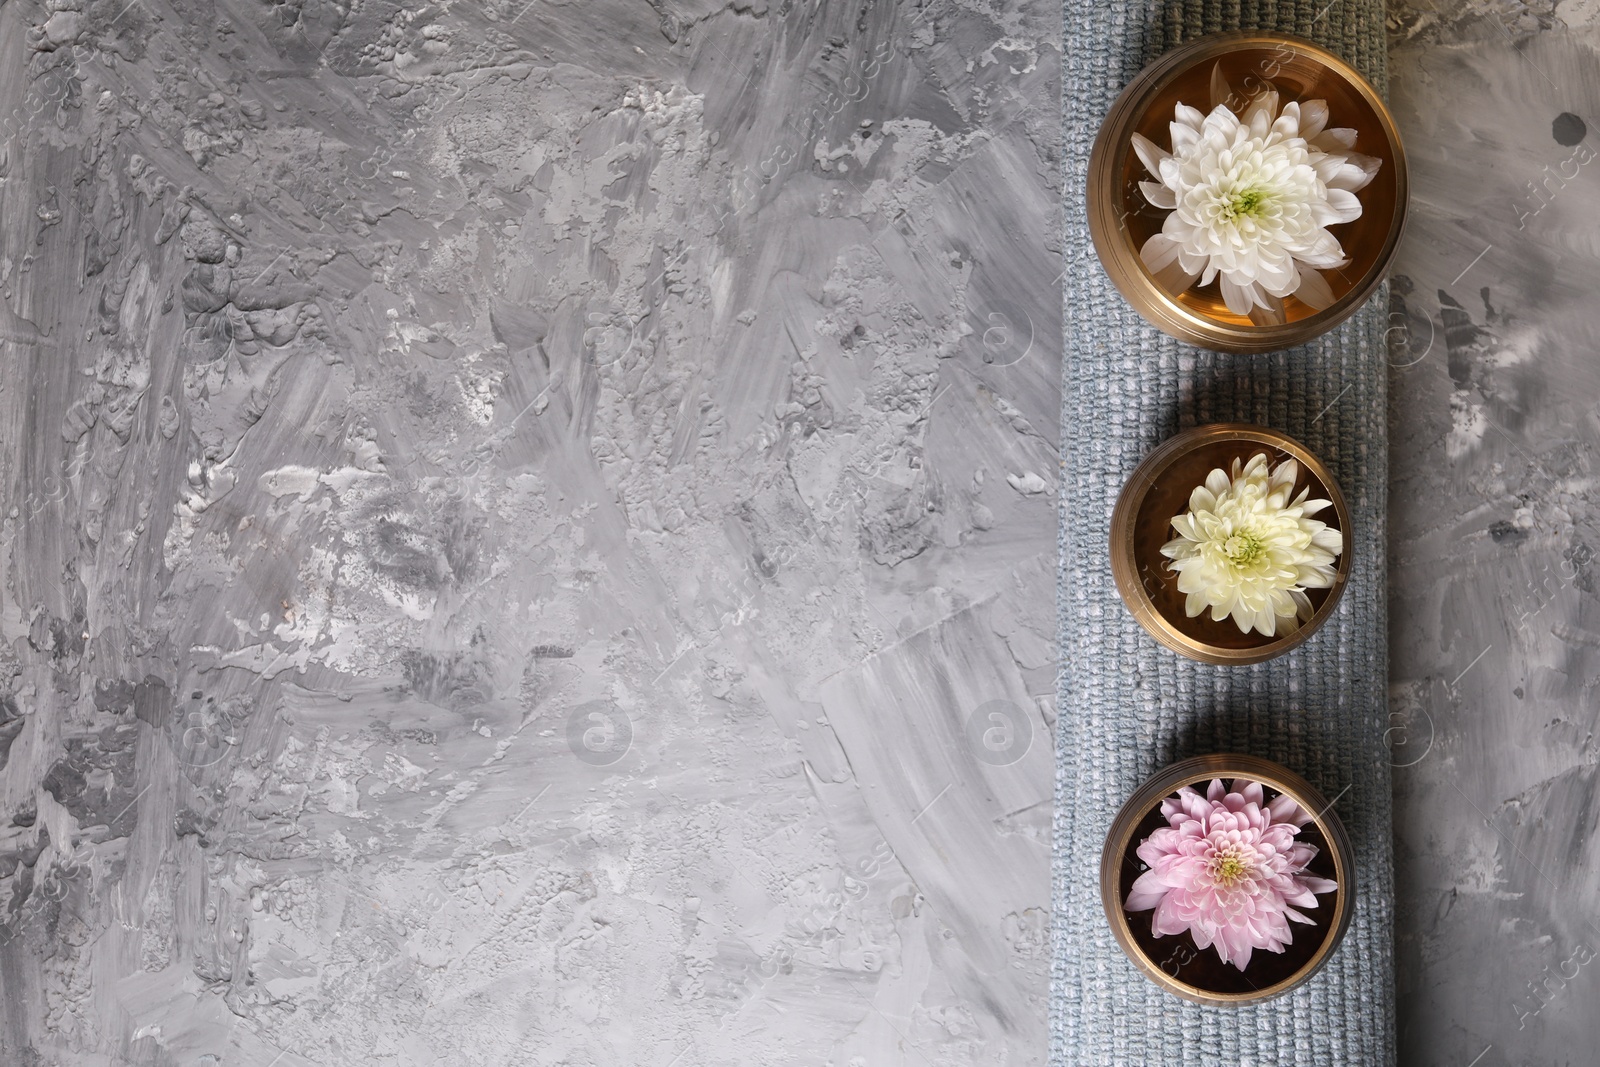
x,y
1174,961
1120,219
1141,523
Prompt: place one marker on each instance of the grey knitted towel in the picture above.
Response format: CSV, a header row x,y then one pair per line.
x,y
1128,706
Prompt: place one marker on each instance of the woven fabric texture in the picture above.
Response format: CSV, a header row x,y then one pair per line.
x,y
1127,706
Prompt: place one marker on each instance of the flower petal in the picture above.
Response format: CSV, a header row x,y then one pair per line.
x,y
1272,314
1284,809
1356,172
1260,113
1217,482
1328,538
1149,153
1346,203
1184,136
1220,92
1314,289
1158,195
1337,140
1313,118
1161,259
1239,298
1287,124
1146,892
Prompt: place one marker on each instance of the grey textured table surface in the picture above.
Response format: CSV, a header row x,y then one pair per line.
x,y
1494,526
735,410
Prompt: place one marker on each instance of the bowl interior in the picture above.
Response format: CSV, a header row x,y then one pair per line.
x,y
1297,76
1168,496
1183,960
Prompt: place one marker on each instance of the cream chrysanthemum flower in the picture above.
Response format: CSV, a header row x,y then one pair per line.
x,y
1247,548
1250,197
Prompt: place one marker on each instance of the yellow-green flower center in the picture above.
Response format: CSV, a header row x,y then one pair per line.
x,y
1247,203
1243,549
1230,869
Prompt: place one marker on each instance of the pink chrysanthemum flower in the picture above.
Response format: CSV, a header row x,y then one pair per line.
x,y
1228,869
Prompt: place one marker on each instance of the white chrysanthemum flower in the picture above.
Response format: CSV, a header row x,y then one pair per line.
x,y
1245,549
1250,198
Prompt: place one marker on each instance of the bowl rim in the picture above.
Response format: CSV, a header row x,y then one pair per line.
x,y
1164,783
1121,260
1124,567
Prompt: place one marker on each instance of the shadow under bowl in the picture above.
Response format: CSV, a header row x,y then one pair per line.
x,y
1175,962
1121,220
1141,523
